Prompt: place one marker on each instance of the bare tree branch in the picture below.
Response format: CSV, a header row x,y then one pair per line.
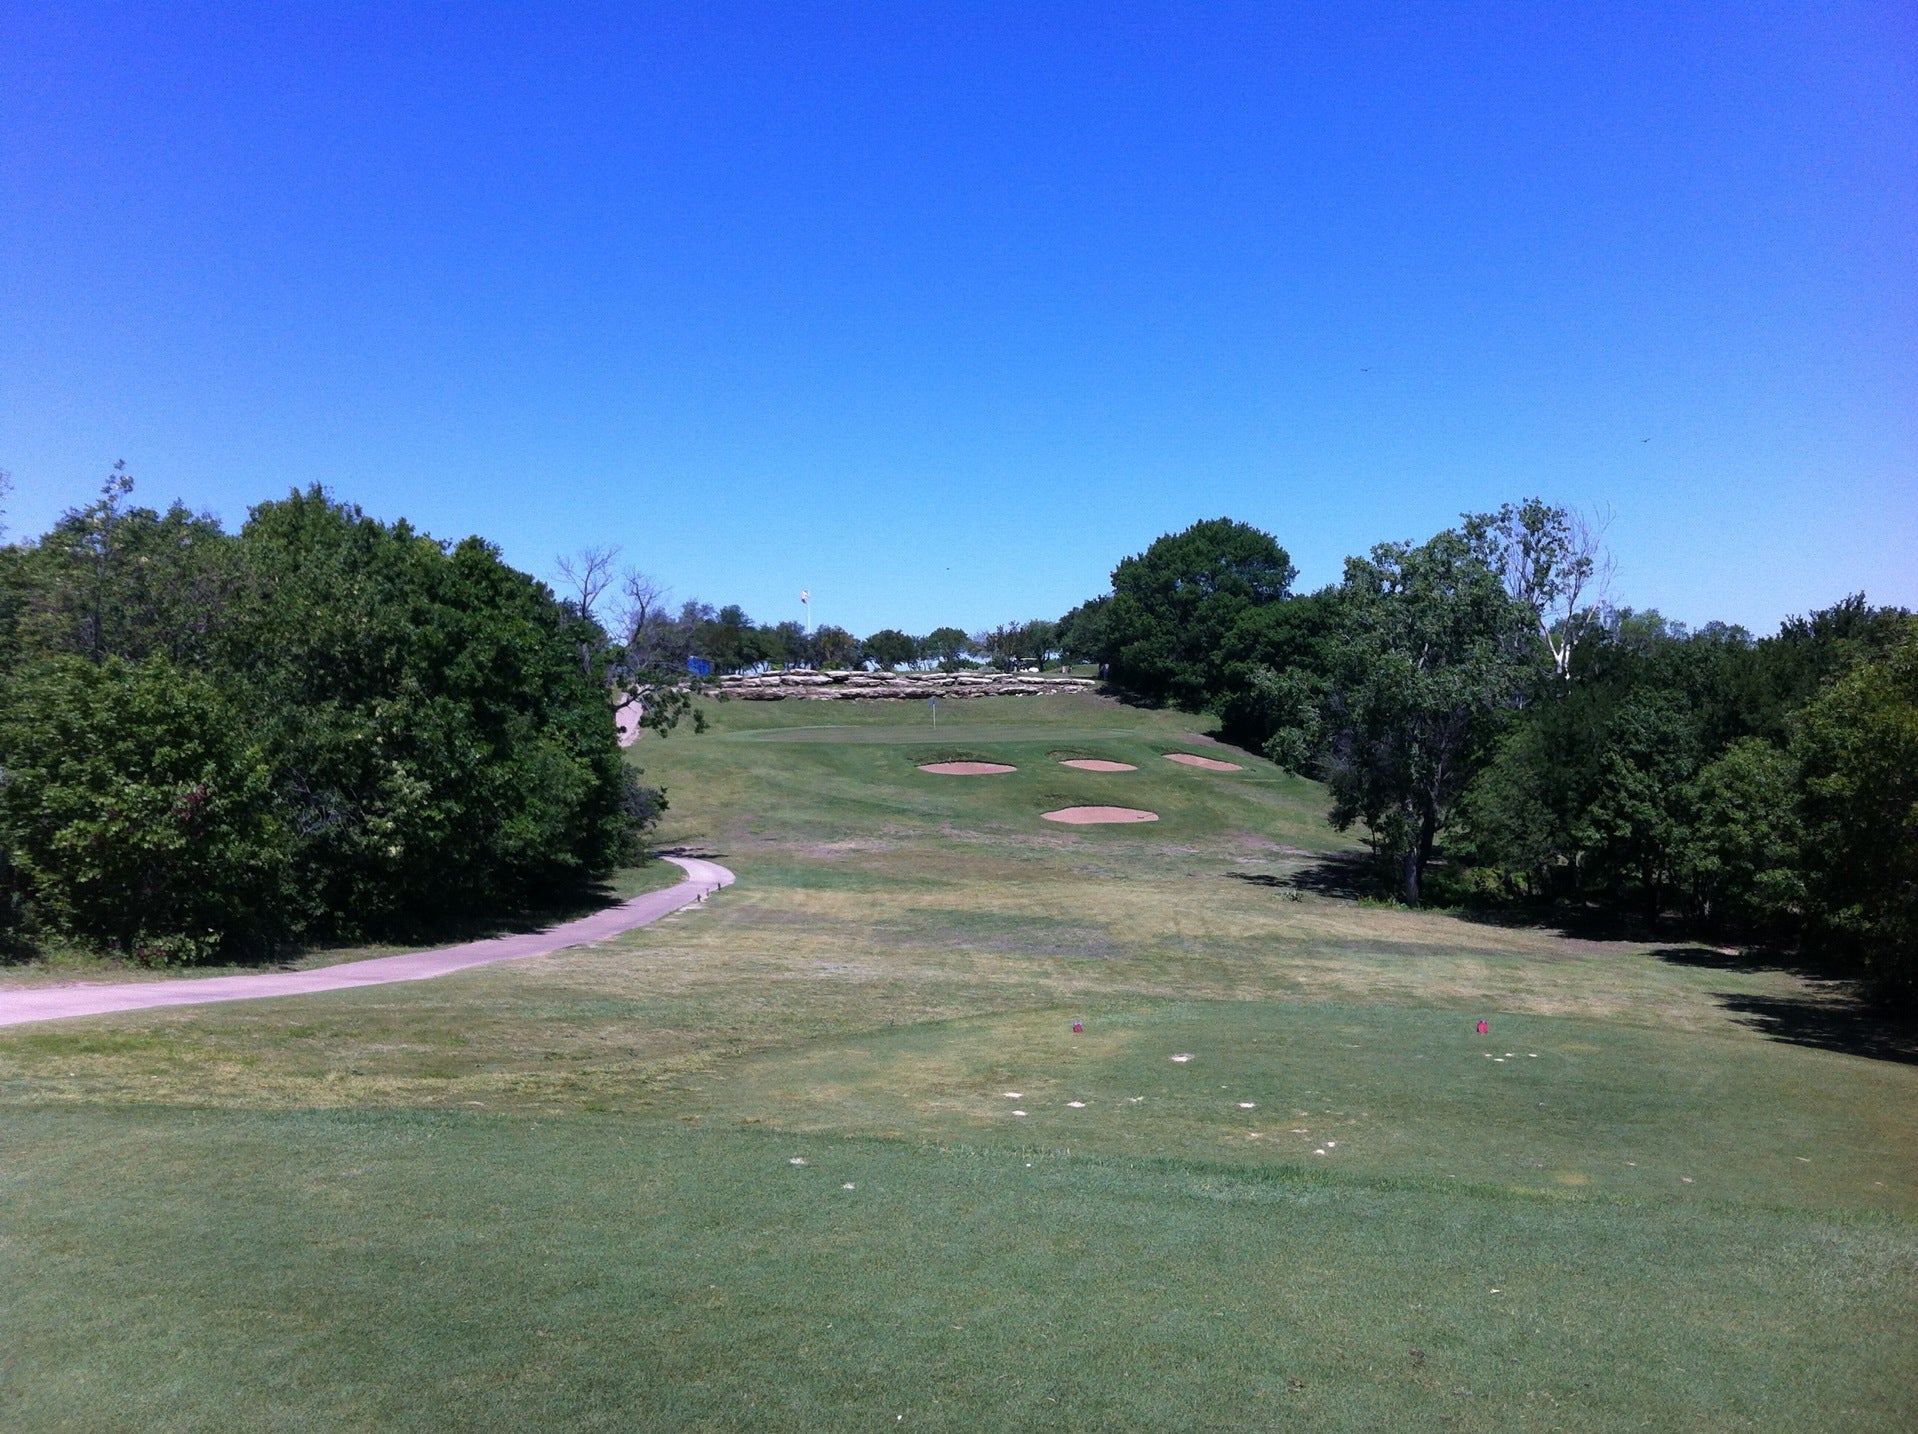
x,y
589,572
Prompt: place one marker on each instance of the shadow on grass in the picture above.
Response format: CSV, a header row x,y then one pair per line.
x,y
1831,1017
551,909
1842,1024
1351,876
426,933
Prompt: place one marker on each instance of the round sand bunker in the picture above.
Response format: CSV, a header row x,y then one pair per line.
x,y
1097,764
1211,764
967,769
1098,816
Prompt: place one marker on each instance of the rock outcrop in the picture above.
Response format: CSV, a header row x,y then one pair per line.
x,y
843,686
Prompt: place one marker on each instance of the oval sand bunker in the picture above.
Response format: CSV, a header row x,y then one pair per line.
x,y
1097,816
1097,764
967,769
1211,764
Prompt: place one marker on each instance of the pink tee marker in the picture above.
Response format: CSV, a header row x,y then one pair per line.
x,y
1078,1028
1482,1028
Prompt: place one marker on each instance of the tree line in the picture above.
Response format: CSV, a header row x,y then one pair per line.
x,y
1502,733
633,610
318,726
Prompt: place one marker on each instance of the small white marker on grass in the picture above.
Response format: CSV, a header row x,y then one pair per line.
x,y
1183,1057
797,1160
1248,1105
1015,1095
846,1186
1018,1112
1076,1104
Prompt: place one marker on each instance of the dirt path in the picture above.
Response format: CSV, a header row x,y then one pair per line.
x,y
53,1003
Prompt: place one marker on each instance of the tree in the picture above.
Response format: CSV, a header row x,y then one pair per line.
x,y
137,811
1173,604
1428,668
1082,632
641,619
1286,709
998,645
1553,561
890,648
115,580
1742,839
1636,824
435,744
949,645
789,644
1037,641
321,725
834,648
720,638
1856,744
588,574
1275,665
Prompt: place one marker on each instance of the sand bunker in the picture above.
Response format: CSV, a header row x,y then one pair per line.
x,y
1096,764
967,769
1211,764
1094,816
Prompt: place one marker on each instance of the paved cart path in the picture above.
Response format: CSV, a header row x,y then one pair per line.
x,y
53,1003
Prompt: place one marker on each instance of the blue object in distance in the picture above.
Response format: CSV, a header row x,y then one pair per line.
x,y
699,667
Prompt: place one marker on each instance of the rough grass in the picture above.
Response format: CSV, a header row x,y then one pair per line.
x,y
556,1193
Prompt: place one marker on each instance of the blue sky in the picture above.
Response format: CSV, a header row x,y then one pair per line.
x,y
938,311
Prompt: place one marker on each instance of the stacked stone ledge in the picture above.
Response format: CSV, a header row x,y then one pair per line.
x,y
844,686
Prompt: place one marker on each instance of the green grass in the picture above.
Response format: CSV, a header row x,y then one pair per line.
x,y
557,1193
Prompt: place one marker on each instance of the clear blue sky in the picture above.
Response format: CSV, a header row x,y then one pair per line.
x,y
940,310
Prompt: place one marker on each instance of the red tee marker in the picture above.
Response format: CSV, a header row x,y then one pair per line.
x,y
1077,1028
1482,1028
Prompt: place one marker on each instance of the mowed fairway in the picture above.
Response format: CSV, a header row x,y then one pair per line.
x,y
826,1153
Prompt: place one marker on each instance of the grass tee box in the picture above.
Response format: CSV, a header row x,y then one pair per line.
x,y
759,1166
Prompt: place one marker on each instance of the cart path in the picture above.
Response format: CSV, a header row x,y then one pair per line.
x,y
53,1003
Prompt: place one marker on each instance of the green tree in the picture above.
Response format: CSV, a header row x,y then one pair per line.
x,y
1742,839
1856,744
137,811
890,648
1636,823
435,744
1275,666
1082,632
949,645
1037,641
1552,560
1173,605
1429,667
113,580
726,640
834,649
